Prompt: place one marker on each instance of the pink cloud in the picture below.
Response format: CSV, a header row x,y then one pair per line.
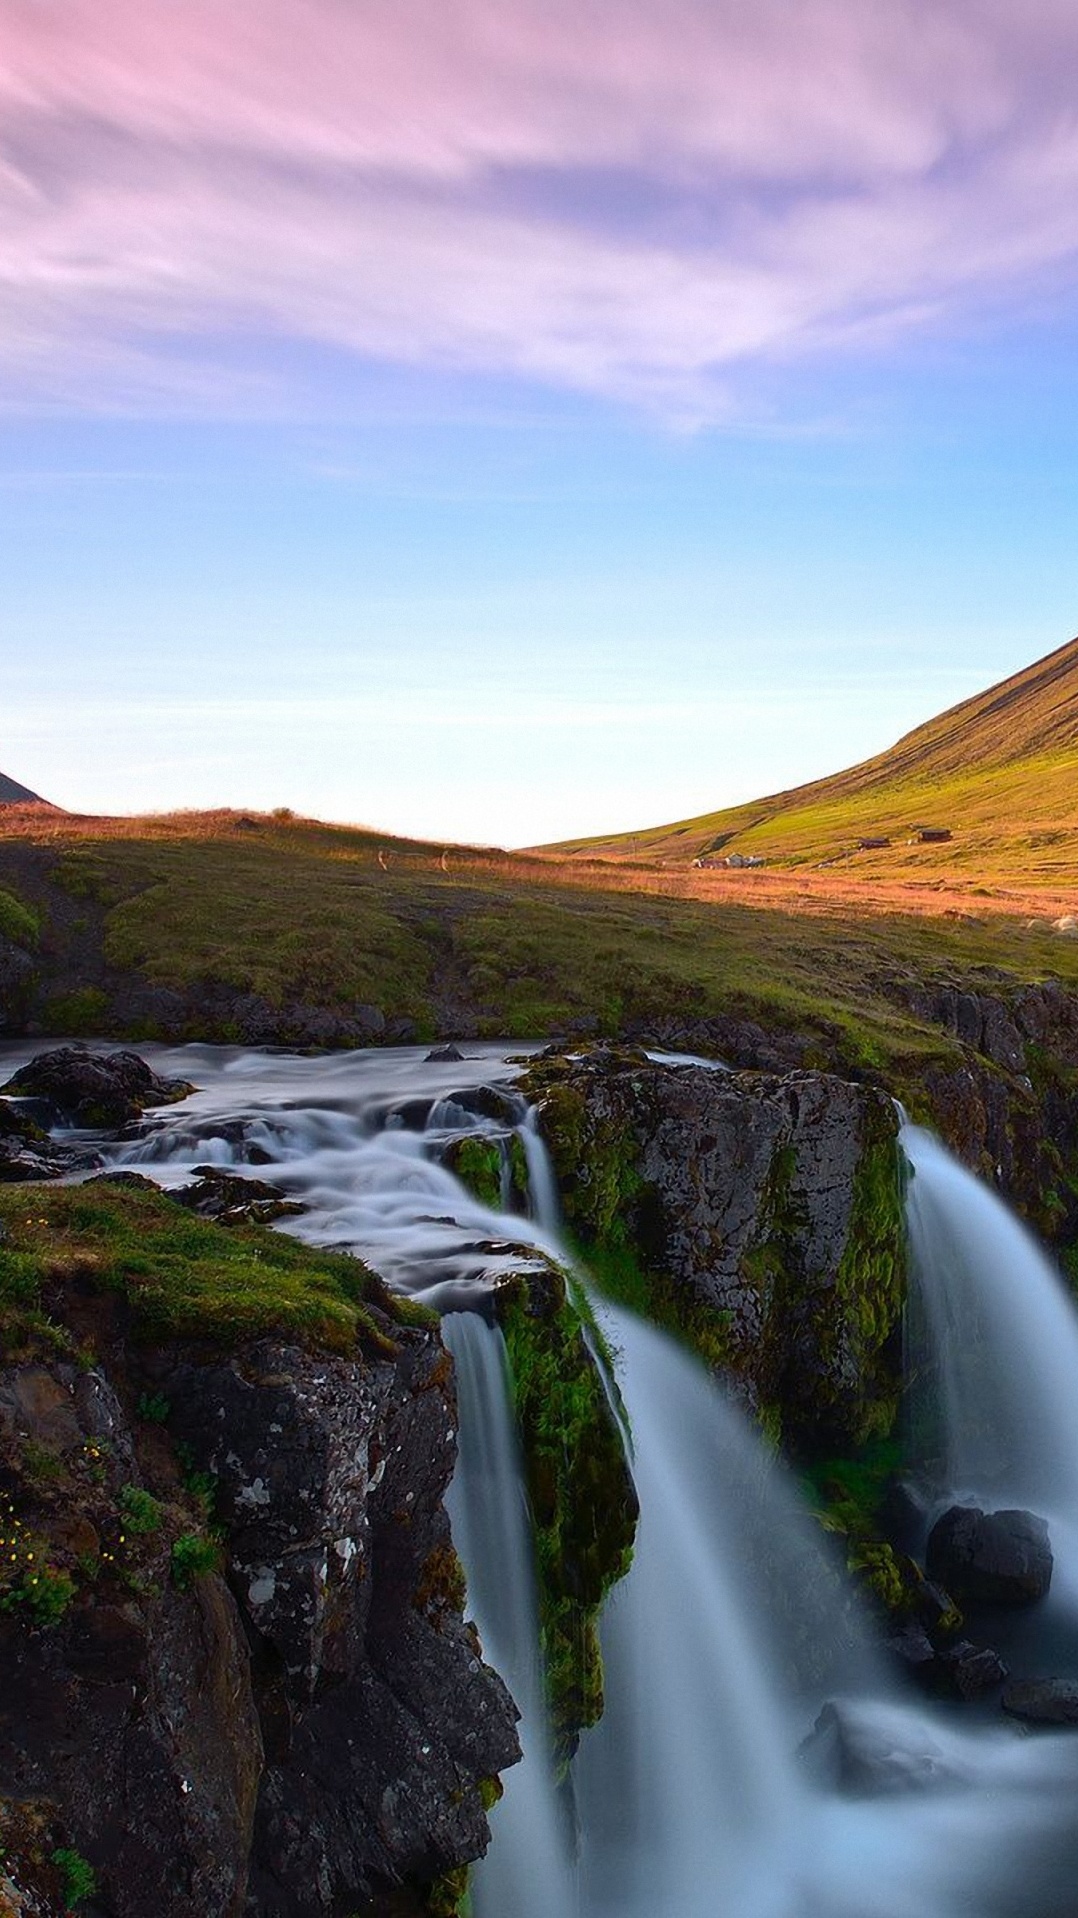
x,y
624,198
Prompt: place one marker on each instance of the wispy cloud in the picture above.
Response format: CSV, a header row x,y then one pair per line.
x,y
621,198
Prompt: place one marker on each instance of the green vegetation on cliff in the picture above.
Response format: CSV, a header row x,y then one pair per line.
x,y
580,1491
177,1275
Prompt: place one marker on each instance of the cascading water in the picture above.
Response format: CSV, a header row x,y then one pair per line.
x,y
492,1532
994,1352
691,1797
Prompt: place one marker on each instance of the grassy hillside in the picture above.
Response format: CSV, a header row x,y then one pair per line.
x,y
999,771
154,928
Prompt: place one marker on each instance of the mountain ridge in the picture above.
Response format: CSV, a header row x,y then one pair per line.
x,y
12,794
1003,762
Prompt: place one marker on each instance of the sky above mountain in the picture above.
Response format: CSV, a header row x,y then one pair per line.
x,y
508,420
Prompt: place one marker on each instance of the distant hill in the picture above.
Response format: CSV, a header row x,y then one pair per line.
x,y
12,794
999,773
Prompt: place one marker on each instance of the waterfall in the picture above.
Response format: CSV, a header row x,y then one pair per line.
x,y
526,1871
710,1786
994,1349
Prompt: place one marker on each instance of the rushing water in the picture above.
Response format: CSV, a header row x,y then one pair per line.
x,y
994,1346
704,1792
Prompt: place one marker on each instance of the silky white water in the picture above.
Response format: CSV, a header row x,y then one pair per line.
x,y
994,1341
492,1532
693,1798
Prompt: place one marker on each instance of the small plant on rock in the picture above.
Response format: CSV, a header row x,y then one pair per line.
x,y
141,1511
192,1557
80,1878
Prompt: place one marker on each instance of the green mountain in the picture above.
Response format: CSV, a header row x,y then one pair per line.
x,y
998,773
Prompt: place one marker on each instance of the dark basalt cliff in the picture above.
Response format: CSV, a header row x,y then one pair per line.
x,y
293,1720
759,1216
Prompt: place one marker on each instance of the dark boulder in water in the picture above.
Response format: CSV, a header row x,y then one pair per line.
x,y
969,1671
859,1752
27,1153
233,1199
1043,1701
990,1558
84,1088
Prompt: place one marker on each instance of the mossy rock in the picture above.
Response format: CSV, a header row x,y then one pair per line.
x,y
583,1501
759,1218
487,1164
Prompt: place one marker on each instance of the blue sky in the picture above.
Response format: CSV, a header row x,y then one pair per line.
x,y
581,471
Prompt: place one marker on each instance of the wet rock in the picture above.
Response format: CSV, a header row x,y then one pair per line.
x,y
296,1742
769,1210
1043,1701
873,1752
98,1089
914,1651
969,1671
330,1476
489,1102
979,1020
233,1199
990,1558
27,1153
445,1055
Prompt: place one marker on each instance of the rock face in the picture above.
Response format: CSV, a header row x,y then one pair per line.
x,y
83,1088
307,1730
1043,1701
26,1152
764,1215
990,1558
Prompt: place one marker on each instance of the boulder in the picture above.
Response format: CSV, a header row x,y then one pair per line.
x,y
233,1199
872,1751
969,1671
306,1730
98,1089
1043,1701
990,1558
27,1153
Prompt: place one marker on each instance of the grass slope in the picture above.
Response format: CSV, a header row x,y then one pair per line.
x,y
1000,771
467,943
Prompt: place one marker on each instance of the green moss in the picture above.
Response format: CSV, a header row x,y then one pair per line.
x,y
191,1557
477,1162
849,1491
79,1877
177,1275
581,1494
447,1894
141,1513
18,923
85,1010
871,1285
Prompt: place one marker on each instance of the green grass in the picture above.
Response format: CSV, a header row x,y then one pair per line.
x,y
179,1276
493,946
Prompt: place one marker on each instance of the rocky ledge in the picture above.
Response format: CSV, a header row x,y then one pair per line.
x,y
237,1678
758,1216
